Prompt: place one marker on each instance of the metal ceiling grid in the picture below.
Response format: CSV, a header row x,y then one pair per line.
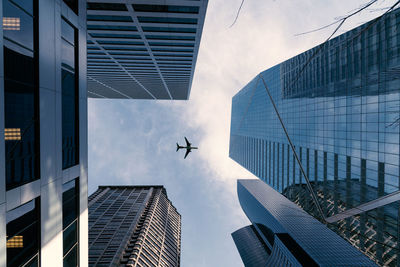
x,y
143,49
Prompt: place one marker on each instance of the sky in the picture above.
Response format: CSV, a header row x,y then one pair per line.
x,y
133,142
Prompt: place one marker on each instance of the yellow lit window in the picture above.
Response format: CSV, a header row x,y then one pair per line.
x,y
12,134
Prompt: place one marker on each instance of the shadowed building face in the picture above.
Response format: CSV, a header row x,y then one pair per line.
x,y
282,234
340,105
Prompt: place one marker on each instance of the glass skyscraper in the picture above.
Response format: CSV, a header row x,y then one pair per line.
x,y
340,104
133,226
282,234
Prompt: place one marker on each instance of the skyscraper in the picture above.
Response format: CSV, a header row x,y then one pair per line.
x,y
252,248
282,234
143,50
43,121
133,226
339,103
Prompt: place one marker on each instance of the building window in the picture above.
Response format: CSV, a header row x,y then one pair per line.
x,y
21,94
23,235
70,200
70,89
73,4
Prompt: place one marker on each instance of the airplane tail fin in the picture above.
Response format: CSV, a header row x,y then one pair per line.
x,y
177,147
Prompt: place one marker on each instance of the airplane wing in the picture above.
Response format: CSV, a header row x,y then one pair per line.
x,y
187,152
187,142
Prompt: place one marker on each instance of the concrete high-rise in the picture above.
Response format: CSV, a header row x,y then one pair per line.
x,y
143,49
340,105
282,234
43,121
133,226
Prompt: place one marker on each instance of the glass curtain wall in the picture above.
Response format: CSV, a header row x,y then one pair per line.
x,y
21,92
23,235
73,4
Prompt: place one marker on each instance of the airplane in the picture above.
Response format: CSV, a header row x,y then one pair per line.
x,y
188,147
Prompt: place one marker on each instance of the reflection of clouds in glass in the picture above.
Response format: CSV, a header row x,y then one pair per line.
x,y
12,134
11,24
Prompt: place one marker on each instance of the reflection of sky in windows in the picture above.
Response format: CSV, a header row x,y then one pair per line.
x,y
15,17
21,210
349,109
20,112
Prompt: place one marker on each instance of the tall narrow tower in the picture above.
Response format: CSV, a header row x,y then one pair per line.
x,y
133,226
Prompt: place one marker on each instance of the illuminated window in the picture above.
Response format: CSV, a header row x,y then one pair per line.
x,y
70,93
12,134
11,24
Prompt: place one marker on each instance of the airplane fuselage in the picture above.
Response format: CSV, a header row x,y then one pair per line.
x,y
188,147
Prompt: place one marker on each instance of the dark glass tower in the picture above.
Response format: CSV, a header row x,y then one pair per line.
x,y
340,104
133,226
282,234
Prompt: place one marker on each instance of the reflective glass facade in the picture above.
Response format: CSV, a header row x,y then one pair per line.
x,y
43,120
23,235
282,234
340,103
70,200
70,100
